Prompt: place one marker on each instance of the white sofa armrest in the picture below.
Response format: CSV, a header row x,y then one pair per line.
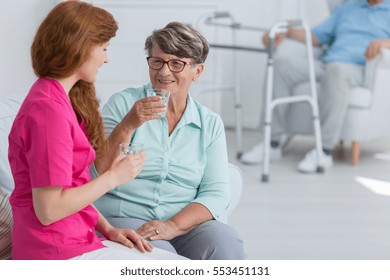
x,y
236,181
380,61
9,107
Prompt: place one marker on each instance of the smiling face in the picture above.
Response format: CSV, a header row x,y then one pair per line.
x,y
88,70
176,83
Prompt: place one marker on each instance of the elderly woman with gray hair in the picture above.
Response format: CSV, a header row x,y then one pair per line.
x,y
177,198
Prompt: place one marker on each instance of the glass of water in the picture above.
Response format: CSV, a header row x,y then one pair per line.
x,y
130,149
164,95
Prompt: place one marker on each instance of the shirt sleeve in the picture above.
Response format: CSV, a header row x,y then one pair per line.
x,y
114,111
214,191
48,144
112,114
325,31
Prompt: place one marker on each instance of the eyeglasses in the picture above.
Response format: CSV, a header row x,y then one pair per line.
x,y
175,65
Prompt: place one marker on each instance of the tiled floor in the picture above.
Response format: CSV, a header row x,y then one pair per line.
x,y
321,216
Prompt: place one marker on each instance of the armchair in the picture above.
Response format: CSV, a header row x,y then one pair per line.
x,y
368,109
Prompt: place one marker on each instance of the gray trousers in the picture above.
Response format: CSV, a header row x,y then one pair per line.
x,y
211,240
334,78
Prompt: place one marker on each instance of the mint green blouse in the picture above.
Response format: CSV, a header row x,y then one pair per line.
x,y
190,165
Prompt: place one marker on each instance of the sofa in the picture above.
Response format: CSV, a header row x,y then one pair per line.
x,y
9,106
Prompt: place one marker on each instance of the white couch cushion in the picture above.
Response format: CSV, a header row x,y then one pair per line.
x,y
9,107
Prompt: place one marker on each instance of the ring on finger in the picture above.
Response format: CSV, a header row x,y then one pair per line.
x,y
156,231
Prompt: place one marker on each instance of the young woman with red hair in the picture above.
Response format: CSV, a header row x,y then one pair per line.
x,y
53,141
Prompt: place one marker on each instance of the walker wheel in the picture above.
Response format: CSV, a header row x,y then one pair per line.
x,y
320,169
264,178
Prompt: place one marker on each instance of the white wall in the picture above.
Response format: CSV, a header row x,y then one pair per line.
x,y
18,22
136,21
20,19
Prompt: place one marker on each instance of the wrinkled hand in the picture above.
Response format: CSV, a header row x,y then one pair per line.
x,y
156,230
144,110
129,238
127,168
375,47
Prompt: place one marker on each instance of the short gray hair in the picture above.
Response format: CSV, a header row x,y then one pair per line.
x,y
179,39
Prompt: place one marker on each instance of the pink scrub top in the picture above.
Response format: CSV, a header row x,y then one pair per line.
x,y
48,147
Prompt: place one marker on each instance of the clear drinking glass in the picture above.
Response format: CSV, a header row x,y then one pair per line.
x,y
130,149
164,95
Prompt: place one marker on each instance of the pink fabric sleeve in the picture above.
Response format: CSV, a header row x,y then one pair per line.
x,y
48,144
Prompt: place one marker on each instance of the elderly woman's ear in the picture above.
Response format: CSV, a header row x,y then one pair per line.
x,y
199,70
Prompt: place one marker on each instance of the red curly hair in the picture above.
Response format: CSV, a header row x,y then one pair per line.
x,y
63,42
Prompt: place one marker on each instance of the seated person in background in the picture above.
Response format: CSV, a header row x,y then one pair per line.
x,y
52,142
356,31
184,185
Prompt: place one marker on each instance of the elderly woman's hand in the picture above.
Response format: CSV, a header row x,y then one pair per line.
x,y
145,109
155,230
129,238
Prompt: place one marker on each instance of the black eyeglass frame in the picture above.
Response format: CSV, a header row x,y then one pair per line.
x,y
167,62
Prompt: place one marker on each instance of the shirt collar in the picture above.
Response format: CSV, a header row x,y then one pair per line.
x,y
191,114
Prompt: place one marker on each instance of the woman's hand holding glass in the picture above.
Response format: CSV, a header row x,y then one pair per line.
x,y
145,109
127,168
